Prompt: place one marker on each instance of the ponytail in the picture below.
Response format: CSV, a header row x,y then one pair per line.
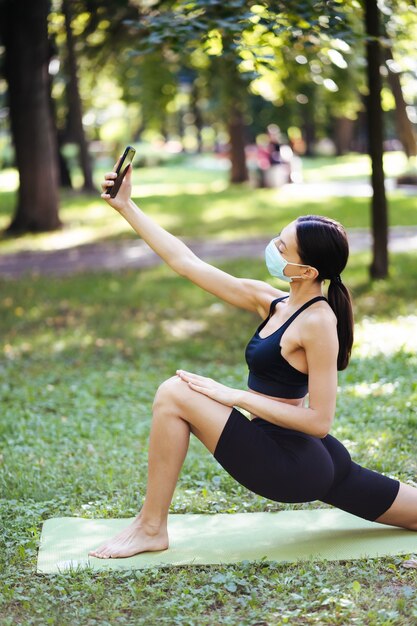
x,y
339,299
323,244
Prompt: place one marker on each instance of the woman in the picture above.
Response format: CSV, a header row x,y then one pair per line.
x,y
284,452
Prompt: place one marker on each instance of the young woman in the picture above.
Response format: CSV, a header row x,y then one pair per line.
x,y
284,452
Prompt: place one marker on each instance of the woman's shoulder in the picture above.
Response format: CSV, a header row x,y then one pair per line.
x,y
319,323
320,314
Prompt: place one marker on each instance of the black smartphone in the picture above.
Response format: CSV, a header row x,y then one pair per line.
x,y
121,170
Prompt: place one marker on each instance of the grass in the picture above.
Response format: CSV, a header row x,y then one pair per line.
x,y
192,199
353,167
82,359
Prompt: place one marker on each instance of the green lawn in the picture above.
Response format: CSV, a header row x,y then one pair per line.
x,y
192,199
82,359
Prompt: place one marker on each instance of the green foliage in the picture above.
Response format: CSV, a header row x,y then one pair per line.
x,y
304,60
82,359
183,23
277,50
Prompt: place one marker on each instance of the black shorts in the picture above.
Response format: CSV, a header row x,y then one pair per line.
x,y
289,466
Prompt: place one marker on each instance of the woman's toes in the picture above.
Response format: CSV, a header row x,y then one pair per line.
x,y
98,553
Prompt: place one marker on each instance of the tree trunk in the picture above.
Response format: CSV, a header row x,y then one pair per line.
x,y
379,266
74,103
234,93
343,134
405,128
360,131
180,128
309,130
236,127
64,171
64,174
25,36
198,118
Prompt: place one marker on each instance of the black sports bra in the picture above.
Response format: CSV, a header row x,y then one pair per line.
x,y
269,372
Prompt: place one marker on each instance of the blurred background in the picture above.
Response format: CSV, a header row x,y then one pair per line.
x,y
259,95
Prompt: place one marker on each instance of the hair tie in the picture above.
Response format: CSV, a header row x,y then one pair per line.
x,y
337,279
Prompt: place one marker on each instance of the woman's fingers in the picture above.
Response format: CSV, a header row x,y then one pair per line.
x,y
189,376
199,389
195,381
183,372
108,180
184,376
110,176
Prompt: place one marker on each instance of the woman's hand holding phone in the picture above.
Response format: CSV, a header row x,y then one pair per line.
x,y
117,185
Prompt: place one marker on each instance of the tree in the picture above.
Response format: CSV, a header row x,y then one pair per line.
x,y
400,29
25,36
405,129
232,31
76,128
379,207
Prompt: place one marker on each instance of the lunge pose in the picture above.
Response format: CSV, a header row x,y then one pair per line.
x,y
284,452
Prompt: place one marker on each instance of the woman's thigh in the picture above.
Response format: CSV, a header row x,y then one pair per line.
x,y
273,462
356,489
206,417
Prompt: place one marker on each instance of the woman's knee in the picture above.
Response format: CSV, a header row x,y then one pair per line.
x,y
169,393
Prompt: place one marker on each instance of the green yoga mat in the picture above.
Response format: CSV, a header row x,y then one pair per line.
x,y
212,539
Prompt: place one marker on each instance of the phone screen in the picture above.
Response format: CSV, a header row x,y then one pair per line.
x,y
121,170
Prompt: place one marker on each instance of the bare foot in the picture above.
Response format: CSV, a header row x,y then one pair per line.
x,y
132,540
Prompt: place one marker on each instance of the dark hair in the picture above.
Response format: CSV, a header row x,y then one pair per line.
x,y
323,244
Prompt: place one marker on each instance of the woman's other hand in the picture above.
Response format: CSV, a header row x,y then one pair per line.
x,y
211,388
122,197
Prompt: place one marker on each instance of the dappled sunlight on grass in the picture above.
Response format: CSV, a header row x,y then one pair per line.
x,y
222,210
70,237
383,300
375,389
181,329
385,337
196,201
350,166
236,212
175,189
94,209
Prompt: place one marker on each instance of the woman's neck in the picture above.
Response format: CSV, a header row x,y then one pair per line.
x,y
301,291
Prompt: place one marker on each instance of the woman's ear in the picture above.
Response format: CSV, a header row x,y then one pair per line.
x,y
310,273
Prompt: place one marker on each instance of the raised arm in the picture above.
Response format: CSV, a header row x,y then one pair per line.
x,y
252,295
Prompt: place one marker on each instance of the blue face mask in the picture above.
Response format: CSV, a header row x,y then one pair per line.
x,y
276,263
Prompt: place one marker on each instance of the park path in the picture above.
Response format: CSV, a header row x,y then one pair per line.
x,y
135,253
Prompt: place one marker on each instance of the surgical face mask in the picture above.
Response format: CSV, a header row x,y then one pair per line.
x,y
276,263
